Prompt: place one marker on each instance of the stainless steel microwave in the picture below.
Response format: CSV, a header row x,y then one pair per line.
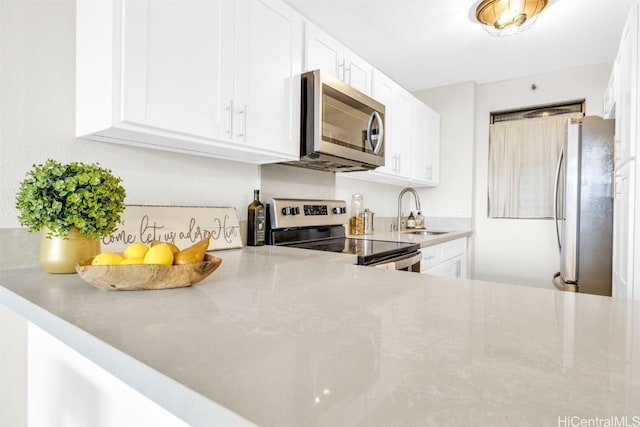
x,y
341,128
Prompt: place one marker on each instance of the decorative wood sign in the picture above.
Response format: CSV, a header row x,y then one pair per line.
x,y
180,225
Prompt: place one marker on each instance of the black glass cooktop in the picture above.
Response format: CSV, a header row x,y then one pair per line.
x,y
367,251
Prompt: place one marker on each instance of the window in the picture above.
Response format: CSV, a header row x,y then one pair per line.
x,y
523,153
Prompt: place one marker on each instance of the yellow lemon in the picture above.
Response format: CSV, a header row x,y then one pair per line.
x,y
159,254
173,247
135,250
132,261
107,258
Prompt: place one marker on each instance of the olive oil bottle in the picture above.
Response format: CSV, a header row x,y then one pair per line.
x,y
256,223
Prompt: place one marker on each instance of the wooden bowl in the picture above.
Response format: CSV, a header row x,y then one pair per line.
x,y
146,276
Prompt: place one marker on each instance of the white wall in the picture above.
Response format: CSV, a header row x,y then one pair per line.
x,y
454,196
523,251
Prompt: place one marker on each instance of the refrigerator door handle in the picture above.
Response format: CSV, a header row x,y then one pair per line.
x,y
561,285
555,196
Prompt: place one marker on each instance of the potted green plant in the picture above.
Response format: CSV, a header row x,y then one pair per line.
x,y
73,205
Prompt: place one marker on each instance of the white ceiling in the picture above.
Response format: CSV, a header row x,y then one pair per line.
x,y
430,43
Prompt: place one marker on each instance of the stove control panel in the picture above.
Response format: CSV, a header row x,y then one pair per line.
x,y
286,213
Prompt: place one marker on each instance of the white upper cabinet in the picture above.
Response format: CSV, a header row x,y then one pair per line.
x,y
177,65
626,207
412,138
426,147
215,78
401,136
382,90
609,97
626,84
323,52
268,65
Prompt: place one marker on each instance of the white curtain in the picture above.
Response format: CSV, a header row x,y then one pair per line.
x,y
523,155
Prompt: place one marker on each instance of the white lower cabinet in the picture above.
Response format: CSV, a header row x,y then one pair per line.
x,y
215,78
445,259
67,389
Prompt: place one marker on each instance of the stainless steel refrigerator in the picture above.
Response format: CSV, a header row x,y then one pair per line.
x,y
584,207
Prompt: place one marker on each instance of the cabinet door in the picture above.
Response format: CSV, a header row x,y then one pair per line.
x,y
402,107
610,93
431,257
268,64
382,91
426,144
627,96
397,101
322,52
178,65
453,267
456,267
327,54
357,72
623,231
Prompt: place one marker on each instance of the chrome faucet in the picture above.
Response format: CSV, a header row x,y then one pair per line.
x,y
417,199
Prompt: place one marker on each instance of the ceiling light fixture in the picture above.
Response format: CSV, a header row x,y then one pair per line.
x,y
504,17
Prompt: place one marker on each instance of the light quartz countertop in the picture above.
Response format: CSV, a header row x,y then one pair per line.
x,y
290,337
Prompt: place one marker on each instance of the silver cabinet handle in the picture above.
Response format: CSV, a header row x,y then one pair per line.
x,y
243,135
340,66
231,112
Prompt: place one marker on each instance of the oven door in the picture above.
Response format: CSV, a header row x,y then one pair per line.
x,y
340,121
410,262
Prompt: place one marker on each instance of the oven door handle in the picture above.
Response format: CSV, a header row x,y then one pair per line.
x,y
401,263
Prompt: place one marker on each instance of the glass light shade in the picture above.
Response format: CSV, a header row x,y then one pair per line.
x,y
502,17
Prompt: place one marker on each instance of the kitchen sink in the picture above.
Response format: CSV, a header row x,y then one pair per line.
x,y
426,232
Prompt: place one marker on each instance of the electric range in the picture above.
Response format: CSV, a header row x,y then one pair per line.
x,y
320,225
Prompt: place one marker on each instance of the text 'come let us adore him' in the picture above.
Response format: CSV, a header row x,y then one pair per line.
x,y
180,225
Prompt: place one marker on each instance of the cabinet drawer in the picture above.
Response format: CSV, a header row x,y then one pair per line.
x,y
431,256
453,248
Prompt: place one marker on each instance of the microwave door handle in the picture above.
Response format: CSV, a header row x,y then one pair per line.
x,y
375,116
555,196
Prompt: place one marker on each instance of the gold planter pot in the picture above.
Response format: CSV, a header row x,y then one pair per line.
x,y
60,255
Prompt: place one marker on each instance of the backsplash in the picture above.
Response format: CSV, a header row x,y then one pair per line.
x,y
384,224
20,248
24,247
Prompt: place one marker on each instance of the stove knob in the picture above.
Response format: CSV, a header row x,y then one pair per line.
x,y
339,210
295,211
286,211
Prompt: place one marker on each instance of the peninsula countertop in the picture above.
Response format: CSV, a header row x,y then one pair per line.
x,y
286,337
